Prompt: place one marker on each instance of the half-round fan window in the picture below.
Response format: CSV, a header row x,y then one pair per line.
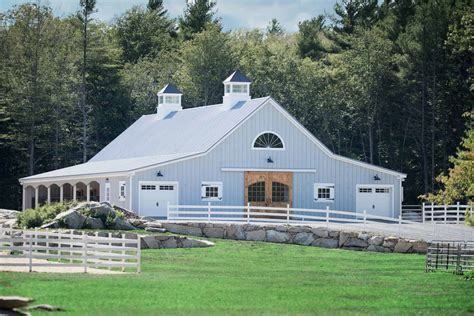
x,y
268,141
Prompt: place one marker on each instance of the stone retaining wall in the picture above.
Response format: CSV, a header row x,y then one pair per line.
x,y
169,241
301,235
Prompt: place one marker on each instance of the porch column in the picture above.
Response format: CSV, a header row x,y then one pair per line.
x,y
61,193
88,192
49,194
74,193
36,196
23,200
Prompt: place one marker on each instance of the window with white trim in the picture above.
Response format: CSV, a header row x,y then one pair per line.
x,y
268,140
172,99
324,192
107,192
211,191
239,88
122,190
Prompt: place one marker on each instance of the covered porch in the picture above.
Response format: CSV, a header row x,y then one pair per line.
x,y
37,194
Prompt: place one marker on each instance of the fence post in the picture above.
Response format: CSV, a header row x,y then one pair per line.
x,y
208,212
30,254
287,213
423,212
365,218
445,213
399,225
138,253
432,211
248,212
457,213
84,258
327,216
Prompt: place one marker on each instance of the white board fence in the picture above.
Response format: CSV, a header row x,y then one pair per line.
x,y
70,249
444,214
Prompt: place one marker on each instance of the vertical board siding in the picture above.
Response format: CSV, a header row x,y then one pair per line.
x,y
300,153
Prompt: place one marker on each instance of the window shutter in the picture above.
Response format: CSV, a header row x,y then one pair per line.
x,y
219,191
203,191
331,193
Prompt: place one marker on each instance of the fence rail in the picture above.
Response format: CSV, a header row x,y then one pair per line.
x,y
261,214
69,249
412,213
446,214
450,255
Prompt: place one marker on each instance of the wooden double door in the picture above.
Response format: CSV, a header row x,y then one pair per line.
x,y
273,189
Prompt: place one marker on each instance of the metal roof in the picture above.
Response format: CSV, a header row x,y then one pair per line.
x,y
151,141
237,76
170,88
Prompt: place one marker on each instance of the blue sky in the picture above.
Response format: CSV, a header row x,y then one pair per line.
x,y
234,13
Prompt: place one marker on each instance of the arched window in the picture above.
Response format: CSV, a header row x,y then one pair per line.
x,y
268,140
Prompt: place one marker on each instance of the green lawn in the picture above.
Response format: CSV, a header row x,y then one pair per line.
x,y
254,278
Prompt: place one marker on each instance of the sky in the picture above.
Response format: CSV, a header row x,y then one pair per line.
x,y
235,14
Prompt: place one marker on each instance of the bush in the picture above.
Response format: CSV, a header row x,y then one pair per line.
x,y
31,218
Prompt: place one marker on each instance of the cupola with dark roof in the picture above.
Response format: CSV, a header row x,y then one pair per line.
x,y
236,89
169,100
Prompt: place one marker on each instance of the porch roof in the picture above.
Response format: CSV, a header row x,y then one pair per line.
x,y
97,168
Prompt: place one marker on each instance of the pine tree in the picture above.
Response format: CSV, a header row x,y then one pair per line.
x,y
198,15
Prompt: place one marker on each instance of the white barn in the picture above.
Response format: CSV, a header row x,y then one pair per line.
x,y
241,151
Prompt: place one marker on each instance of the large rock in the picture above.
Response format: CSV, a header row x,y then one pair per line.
x,y
11,302
376,248
213,232
276,236
149,242
171,242
325,243
121,224
71,219
299,229
303,239
138,222
182,229
419,246
402,246
155,224
255,235
236,232
390,242
321,232
53,224
94,223
344,237
195,243
102,210
155,230
376,240
8,214
356,242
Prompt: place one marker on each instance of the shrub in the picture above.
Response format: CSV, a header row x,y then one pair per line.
x,y
31,218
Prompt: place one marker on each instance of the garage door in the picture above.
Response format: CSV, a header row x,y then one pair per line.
x,y
374,200
154,198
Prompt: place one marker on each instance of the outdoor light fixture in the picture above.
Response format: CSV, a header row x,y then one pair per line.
x,y
376,177
269,160
159,174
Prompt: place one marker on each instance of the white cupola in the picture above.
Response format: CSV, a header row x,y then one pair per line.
x,y
236,89
169,100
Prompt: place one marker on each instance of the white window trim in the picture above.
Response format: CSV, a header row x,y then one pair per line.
x,y
329,186
122,184
272,132
219,186
107,192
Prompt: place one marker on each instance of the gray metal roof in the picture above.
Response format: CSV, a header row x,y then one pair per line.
x,y
237,76
151,141
170,88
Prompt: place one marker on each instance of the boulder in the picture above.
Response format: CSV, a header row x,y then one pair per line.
x,y
53,224
321,232
303,239
121,224
182,229
375,240
8,214
363,236
356,242
334,234
390,242
299,229
71,219
255,235
94,223
171,242
377,248
236,232
344,237
102,210
138,222
325,243
282,228
276,236
11,302
402,246
213,232
419,246
154,224
155,230
195,243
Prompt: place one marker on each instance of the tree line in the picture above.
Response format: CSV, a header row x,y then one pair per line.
x,y
383,82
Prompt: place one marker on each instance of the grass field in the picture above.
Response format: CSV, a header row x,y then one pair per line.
x,y
254,278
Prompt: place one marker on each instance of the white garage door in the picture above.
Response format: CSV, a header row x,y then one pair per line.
x,y
374,200
154,198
